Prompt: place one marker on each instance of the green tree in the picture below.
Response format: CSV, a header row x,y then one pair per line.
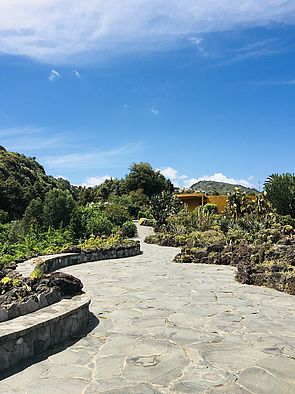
x,y
280,191
58,208
110,187
164,205
34,215
143,176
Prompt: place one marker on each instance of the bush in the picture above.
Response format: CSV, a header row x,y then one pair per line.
x,y
129,229
116,213
97,243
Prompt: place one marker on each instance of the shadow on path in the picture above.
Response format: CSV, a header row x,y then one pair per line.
x,y
93,322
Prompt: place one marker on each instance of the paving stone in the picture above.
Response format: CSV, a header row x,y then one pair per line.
x,y
229,389
280,367
258,380
57,386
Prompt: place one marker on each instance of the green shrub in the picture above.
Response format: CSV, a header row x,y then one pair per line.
x,y
117,214
129,229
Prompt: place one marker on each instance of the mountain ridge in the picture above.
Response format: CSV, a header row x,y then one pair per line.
x,y
214,187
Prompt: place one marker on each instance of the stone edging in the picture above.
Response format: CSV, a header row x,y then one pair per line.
x,y
50,264
29,335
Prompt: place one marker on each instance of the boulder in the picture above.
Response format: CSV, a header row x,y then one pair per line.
x,y
68,284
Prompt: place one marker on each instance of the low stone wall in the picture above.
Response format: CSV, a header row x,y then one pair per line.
x,y
57,262
29,335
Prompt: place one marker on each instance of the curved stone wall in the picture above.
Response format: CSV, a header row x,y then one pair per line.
x,y
29,335
53,263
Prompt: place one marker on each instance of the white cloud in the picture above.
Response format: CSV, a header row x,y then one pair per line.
x,y
185,181
57,30
76,74
60,177
154,111
173,175
53,75
170,173
95,180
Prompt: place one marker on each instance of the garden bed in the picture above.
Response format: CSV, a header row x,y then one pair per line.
x,y
261,265
21,296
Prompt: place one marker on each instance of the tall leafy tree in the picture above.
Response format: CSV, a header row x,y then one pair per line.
x,y
164,205
58,208
143,176
34,216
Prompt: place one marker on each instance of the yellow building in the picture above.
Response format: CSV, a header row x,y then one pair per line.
x,y
194,200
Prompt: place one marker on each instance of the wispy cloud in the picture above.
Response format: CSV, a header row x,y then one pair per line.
x,y
53,75
253,50
19,131
96,159
29,139
289,82
154,111
185,181
197,42
58,30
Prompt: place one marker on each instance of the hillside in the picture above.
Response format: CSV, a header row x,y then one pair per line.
x,y
22,178
212,187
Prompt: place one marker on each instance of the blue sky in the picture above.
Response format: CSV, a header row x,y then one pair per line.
x,y
201,91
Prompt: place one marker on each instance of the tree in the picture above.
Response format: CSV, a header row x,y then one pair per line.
x,y
33,217
280,191
164,205
110,187
143,176
58,208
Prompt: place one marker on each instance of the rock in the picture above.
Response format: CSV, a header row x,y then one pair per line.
x,y
13,311
3,314
42,300
215,248
68,284
53,296
276,268
28,307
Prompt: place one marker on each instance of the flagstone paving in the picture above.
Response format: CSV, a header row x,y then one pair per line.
x,y
171,328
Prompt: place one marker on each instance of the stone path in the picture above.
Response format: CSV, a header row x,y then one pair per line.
x,y
171,328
